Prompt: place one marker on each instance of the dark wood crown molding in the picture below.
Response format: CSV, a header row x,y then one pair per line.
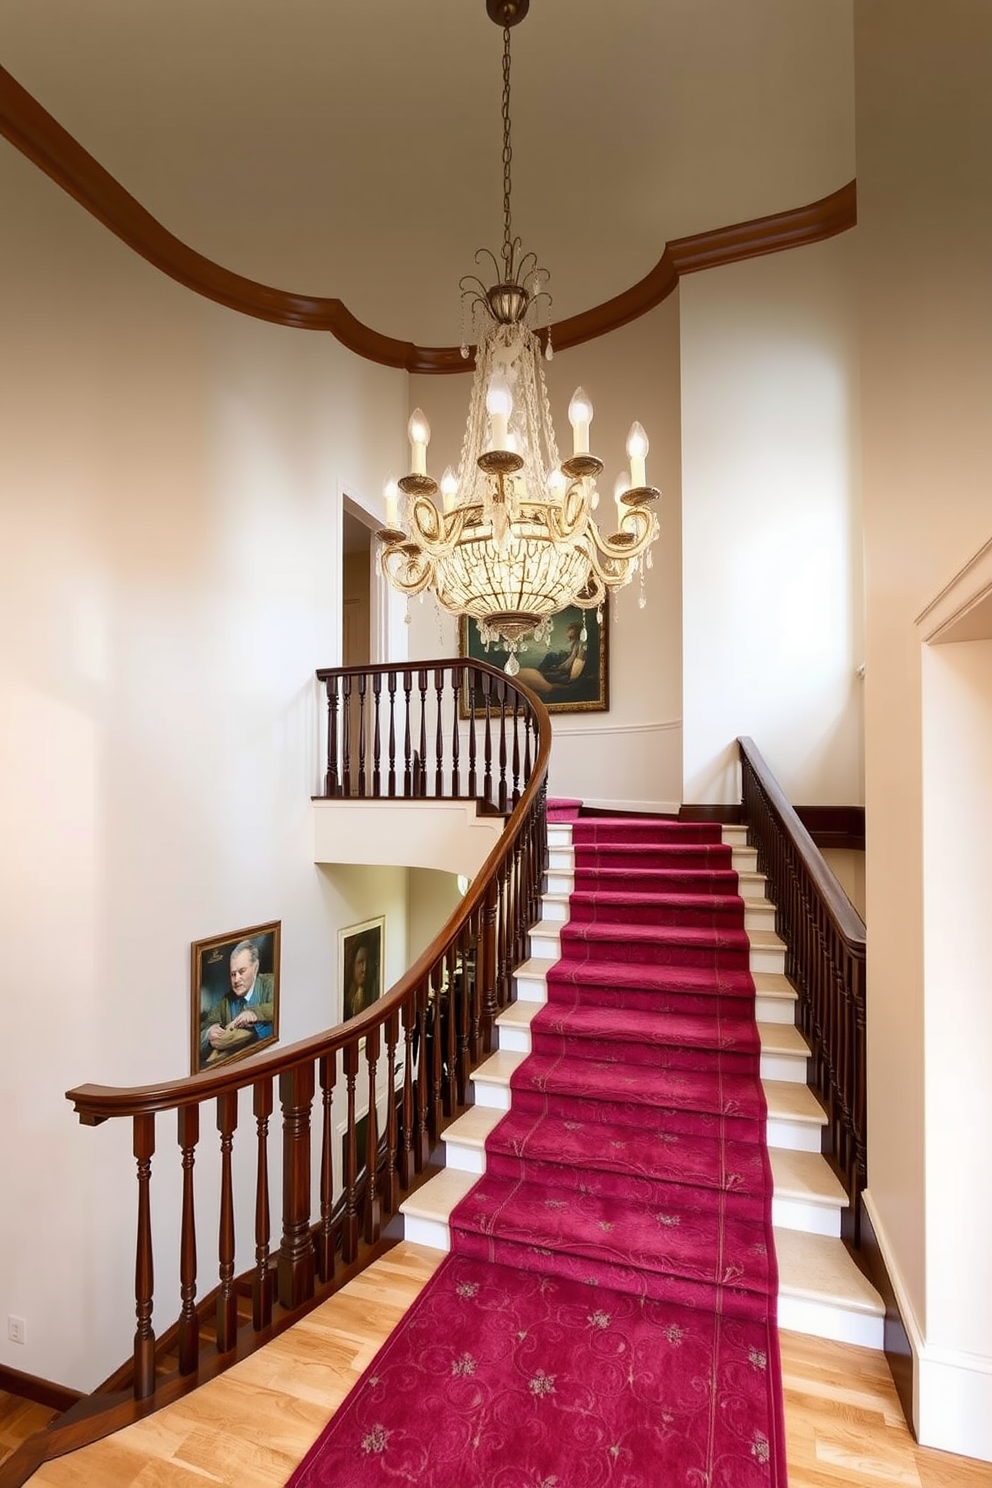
x,y
39,137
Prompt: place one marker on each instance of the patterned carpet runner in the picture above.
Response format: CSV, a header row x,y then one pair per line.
x,y
607,1316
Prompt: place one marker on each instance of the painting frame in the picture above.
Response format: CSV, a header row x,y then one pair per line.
x,y
371,935
213,993
587,693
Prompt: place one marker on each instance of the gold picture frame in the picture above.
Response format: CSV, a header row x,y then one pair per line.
x,y
568,674
234,995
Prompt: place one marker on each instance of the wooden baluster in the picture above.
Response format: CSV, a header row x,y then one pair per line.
x,y
477,926
327,1076
515,764
407,742
502,746
227,1302
464,1019
520,922
262,1283
473,784
489,969
346,735
420,782
332,785
487,783
434,1074
373,1200
376,737
349,1232
144,1267
189,1323
439,732
390,1184
391,688
362,725
451,1015
296,1258
456,776
407,1164
421,1136
528,742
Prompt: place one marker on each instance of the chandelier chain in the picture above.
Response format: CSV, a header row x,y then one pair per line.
x,y
507,159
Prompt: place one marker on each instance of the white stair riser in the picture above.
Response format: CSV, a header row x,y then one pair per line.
x,y
463,1158
494,1097
531,988
759,916
433,1233
772,960
794,1136
798,1214
769,1009
821,1320
751,888
560,882
562,858
744,860
555,909
791,1067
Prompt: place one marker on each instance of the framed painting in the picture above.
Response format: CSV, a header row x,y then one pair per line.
x,y
570,674
361,952
234,984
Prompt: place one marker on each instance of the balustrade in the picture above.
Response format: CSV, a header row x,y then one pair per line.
x,y
825,961
402,1066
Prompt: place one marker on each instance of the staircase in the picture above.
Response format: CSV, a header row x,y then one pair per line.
x,y
822,1292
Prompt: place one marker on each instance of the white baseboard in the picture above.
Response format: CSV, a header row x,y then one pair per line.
x,y
952,1390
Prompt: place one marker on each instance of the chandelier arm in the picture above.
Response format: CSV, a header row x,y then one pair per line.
x,y
642,536
410,573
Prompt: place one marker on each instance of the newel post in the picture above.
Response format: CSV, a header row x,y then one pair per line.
x,y
296,1258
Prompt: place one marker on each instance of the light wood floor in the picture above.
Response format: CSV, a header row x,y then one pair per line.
x,y
250,1427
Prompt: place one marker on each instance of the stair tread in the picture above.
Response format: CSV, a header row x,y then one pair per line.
x,y
498,1068
820,1268
806,1176
776,1038
474,1125
436,1198
787,1100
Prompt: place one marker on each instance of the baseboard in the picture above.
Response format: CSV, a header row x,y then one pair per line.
x,y
41,1392
834,826
951,1389
898,1348
727,816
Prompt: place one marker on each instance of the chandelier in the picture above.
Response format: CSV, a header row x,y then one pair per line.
x,y
512,540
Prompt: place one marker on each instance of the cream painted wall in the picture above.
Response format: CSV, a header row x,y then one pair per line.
x,y
630,754
171,481
848,867
433,898
924,117
771,570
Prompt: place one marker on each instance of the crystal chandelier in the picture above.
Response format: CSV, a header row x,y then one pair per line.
x,y
513,540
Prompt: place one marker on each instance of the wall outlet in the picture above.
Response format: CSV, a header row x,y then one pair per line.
x,y
17,1330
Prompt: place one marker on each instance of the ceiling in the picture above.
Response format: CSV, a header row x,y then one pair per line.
x,y
354,150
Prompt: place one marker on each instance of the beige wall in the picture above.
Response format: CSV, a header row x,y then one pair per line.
x,y
924,118
771,570
171,480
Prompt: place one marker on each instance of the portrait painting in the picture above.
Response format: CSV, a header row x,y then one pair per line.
x,y
234,995
361,951
569,669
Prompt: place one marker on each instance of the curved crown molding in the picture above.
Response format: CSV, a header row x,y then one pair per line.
x,y
39,137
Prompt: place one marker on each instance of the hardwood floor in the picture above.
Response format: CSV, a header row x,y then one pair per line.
x,y
250,1427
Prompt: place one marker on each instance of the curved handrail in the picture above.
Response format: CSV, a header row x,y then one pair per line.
x,y
417,1045
96,1103
825,960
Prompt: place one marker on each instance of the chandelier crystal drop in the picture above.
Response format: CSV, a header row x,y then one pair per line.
x,y
509,538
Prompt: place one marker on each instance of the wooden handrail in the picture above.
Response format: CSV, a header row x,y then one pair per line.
x,y
427,1033
825,960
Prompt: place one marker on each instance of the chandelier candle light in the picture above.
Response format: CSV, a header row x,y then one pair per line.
x,y
512,540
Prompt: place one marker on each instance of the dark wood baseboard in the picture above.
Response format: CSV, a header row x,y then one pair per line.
x,y
727,816
42,1392
834,826
898,1350
829,826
